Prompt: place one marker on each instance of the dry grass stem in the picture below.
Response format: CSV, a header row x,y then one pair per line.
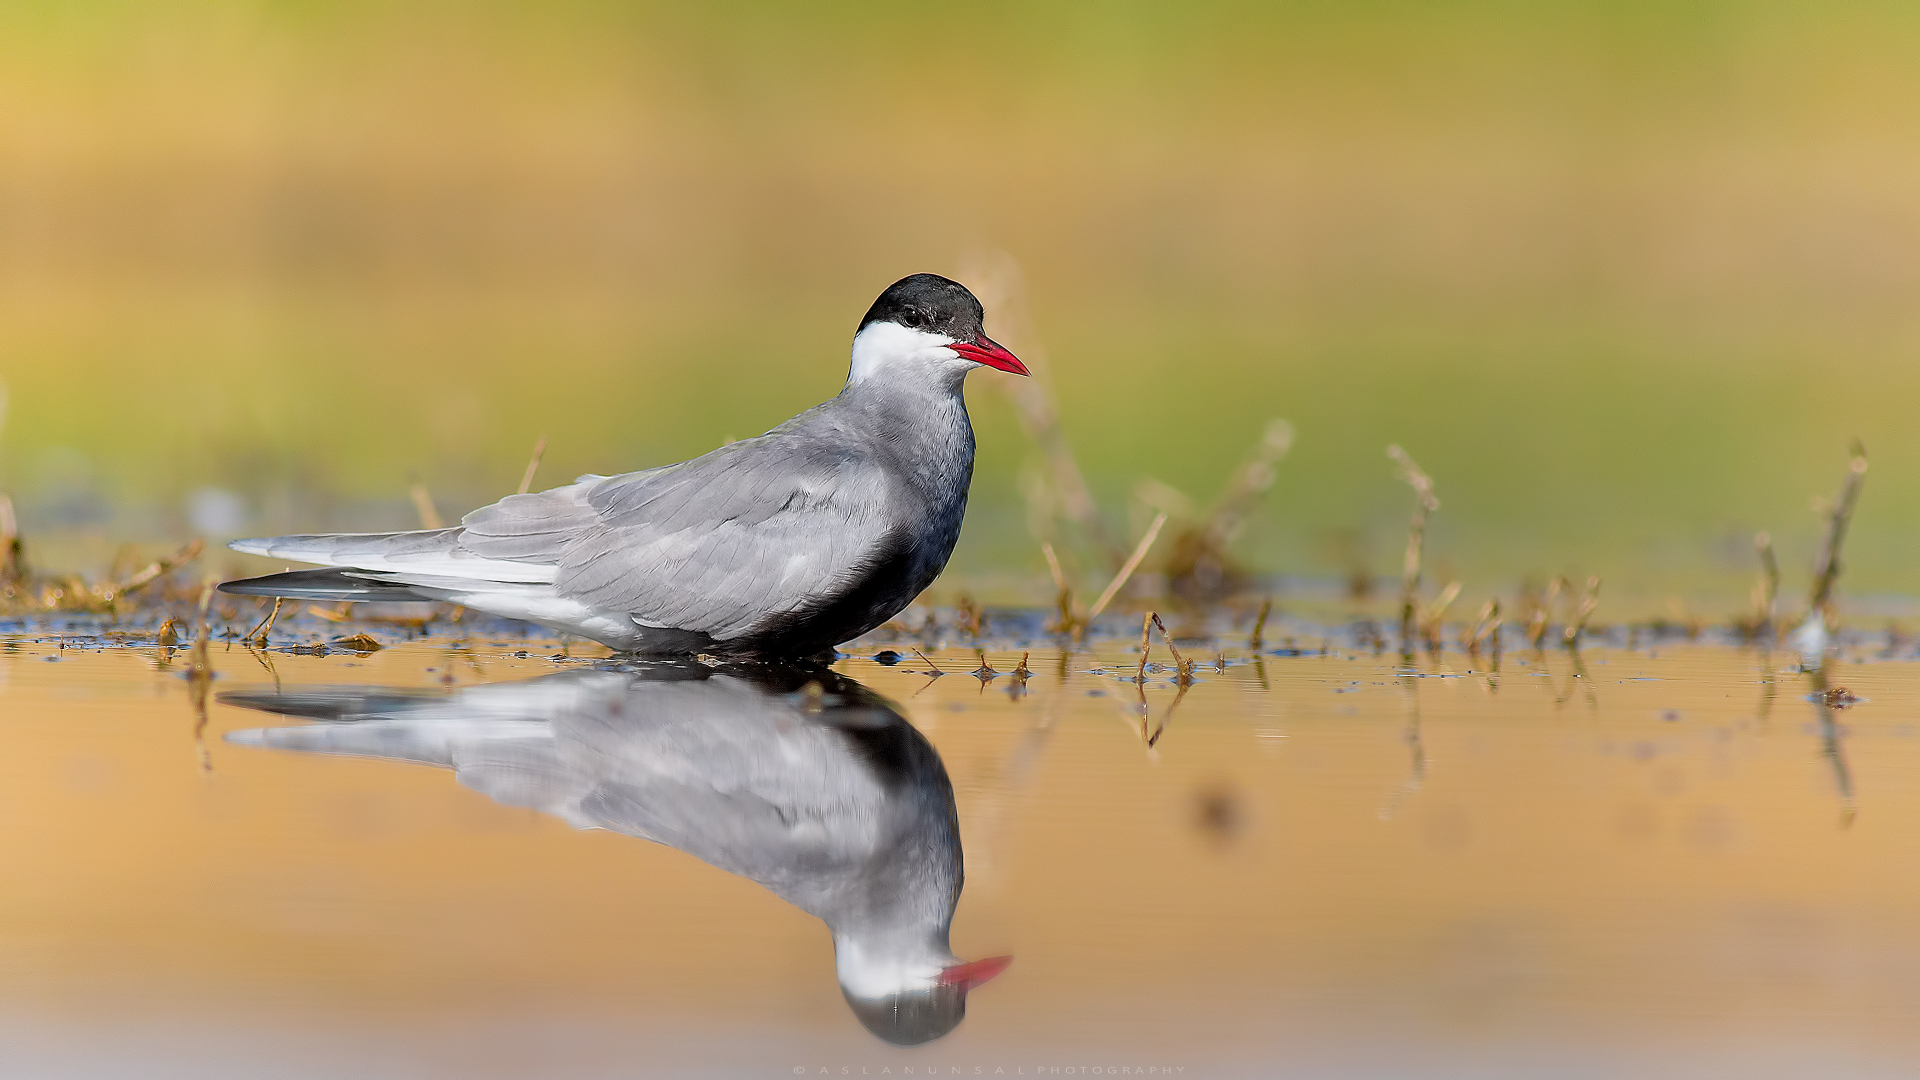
x,y
1425,504
1487,626
261,628
1826,568
1433,616
1543,614
423,505
1255,640
1198,564
145,576
13,561
1065,621
1181,664
1127,569
933,668
533,464
997,279
1769,580
1577,625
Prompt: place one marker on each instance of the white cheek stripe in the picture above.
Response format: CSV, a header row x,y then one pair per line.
x,y
884,344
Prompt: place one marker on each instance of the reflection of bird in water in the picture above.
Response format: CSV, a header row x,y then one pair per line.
x,y
805,782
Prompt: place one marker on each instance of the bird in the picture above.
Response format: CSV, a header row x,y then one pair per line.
x,y
775,547
804,781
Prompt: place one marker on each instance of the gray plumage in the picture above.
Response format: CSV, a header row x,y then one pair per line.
x,y
834,803
777,546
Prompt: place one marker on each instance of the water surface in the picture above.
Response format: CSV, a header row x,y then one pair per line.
x,y
1312,865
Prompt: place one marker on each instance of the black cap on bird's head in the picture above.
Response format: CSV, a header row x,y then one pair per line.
x,y
931,304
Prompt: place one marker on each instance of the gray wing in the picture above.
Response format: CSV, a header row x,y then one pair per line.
x,y
718,544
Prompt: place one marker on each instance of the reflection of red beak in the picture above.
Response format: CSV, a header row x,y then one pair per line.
x,y
970,975
985,350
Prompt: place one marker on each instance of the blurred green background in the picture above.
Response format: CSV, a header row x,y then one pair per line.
x,y
1626,278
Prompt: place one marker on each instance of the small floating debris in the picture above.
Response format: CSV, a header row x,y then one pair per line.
x,y
886,658
1838,697
359,643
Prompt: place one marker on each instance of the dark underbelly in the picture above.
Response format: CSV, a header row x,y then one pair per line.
x,y
887,582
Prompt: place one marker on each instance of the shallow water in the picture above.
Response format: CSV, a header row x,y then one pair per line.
x,y
1305,865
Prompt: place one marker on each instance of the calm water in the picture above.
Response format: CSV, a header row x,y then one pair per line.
x,y
1307,865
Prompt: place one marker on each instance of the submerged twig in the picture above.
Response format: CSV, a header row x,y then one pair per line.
x,y
200,673
1830,744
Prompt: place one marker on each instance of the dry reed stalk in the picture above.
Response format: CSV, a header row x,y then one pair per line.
x,y
260,629
1181,664
187,553
1424,504
1126,570
1000,284
423,505
1577,625
1063,593
1826,568
1487,626
1543,614
933,668
1146,643
1254,640
1198,561
973,618
13,561
533,464
1767,589
1431,620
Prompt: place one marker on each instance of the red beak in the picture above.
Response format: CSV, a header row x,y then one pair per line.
x,y
985,350
972,974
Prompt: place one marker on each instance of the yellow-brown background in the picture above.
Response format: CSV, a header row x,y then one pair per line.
x,y
1625,277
